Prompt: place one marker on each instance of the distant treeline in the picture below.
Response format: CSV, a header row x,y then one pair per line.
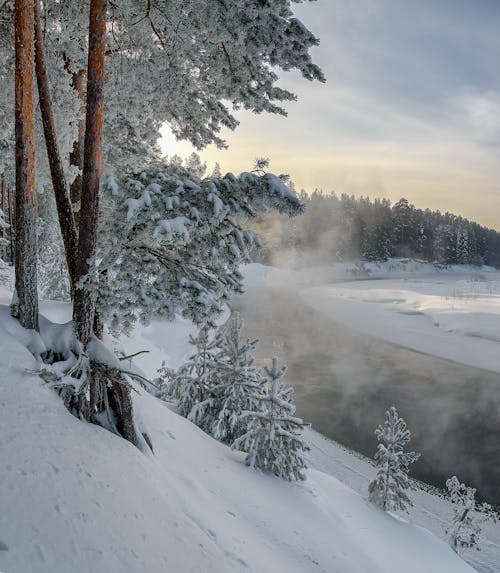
x,y
348,227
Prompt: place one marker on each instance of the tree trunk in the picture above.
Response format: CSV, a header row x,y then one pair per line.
x,y
84,302
76,155
4,211
12,217
25,304
64,211
119,400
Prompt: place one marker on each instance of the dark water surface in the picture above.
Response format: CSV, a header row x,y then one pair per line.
x,y
344,382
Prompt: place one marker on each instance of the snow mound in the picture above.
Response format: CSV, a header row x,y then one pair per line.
x,y
77,498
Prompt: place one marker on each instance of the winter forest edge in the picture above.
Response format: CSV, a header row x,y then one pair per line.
x,y
93,215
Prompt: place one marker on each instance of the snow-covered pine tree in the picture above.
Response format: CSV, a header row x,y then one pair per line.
x,y
206,58
236,386
172,243
191,383
273,441
388,489
468,516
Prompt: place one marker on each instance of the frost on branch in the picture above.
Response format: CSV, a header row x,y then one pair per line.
x,y
273,441
235,387
172,243
222,391
388,489
187,63
191,384
468,516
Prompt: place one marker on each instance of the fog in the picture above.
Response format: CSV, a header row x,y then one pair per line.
x,y
344,382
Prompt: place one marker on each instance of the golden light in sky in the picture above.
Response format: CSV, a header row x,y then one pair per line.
x,y
409,109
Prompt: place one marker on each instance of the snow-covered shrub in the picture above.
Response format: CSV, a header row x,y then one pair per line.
x,y
173,243
236,386
273,441
191,383
468,516
388,489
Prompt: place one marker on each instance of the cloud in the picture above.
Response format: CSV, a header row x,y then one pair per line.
x,y
481,115
411,106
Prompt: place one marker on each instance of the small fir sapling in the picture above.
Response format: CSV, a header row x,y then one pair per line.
x,y
190,384
235,387
388,489
468,516
273,441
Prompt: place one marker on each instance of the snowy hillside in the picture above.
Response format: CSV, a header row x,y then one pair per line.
x,y
430,510
76,498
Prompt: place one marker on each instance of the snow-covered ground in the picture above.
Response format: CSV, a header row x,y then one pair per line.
x,y
74,497
430,510
452,315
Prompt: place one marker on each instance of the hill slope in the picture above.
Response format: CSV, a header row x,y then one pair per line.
x,y
76,498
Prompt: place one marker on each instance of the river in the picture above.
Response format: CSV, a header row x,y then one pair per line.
x,y
344,381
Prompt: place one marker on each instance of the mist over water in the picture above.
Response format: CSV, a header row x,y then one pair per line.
x,y
344,382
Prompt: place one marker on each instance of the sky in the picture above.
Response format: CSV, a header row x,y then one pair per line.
x,y
410,108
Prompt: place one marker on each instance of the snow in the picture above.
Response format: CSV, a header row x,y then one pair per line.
x,y
78,498
430,509
450,312
173,227
446,315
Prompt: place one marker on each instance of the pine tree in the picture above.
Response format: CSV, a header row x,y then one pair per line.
x,y
273,442
84,304
465,529
172,243
25,301
216,172
62,200
388,489
236,386
191,383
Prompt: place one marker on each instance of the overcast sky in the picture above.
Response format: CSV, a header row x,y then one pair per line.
x,y
411,107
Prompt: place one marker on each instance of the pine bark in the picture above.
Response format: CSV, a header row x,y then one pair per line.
x,y
25,305
84,305
64,209
85,298
4,211
12,217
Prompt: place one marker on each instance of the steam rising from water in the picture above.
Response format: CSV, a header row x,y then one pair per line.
x,y
345,381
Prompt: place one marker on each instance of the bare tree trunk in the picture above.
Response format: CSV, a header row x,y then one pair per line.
x,y
84,301
102,381
4,211
25,304
76,155
64,211
12,217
